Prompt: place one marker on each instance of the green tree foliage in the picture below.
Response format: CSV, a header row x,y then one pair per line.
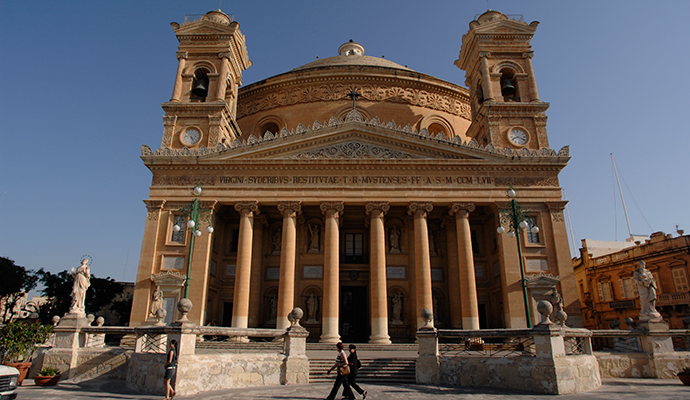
x,y
15,280
18,340
58,290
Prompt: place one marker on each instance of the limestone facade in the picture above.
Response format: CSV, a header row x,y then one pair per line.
x,y
354,188
607,289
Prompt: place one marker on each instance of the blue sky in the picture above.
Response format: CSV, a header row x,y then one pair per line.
x,y
84,81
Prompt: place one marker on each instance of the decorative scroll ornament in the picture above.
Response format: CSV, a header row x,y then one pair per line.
x,y
354,149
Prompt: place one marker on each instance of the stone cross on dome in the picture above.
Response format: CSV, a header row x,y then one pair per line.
x,y
354,95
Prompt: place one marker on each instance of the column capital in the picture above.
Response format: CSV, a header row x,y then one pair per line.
x,y
447,221
247,207
527,54
382,206
332,208
461,210
225,54
556,206
153,205
262,219
420,209
181,54
290,207
484,54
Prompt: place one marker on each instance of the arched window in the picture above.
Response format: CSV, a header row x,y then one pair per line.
x,y
269,127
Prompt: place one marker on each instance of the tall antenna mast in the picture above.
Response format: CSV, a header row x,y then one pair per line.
x,y
625,211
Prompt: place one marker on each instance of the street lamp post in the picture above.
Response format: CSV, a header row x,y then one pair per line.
x,y
513,216
193,213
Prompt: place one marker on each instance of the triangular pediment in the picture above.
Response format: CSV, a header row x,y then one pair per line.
x,y
505,27
350,141
203,28
355,140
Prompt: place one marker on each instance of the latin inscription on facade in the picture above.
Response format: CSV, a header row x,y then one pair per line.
x,y
313,272
395,272
436,274
272,274
358,180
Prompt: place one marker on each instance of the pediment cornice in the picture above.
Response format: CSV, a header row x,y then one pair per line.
x,y
374,138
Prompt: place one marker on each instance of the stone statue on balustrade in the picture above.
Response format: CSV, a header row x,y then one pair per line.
x,y
646,287
82,281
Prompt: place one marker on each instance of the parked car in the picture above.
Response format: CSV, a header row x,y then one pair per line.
x,y
9,376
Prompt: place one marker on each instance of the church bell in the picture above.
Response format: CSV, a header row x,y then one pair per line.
x,y
507,88
201,87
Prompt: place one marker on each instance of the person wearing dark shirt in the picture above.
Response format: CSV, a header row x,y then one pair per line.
x,y
354,366
170,369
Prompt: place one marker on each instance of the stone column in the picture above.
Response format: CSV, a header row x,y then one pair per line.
x,y
422,259
533,96
147,260
286,286
243,272
486,76
377,274
177,89
468,284
223,77
255,295
331,274
453,273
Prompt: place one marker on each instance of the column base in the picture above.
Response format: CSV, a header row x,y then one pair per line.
x,y
380,340
470,324
329,339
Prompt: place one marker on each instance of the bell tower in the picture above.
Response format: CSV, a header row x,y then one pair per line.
x,y
496,56
212,55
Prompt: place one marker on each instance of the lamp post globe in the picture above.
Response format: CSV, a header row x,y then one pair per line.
x,y
500,230
176,228
191,223
535,229
197,190
523,225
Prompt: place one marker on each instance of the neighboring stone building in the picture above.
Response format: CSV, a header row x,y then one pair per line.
x,y
607,288
353,187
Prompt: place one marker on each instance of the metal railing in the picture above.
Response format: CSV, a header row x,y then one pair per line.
x,y
486,343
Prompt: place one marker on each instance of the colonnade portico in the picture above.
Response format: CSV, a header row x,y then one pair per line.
x,y
461,265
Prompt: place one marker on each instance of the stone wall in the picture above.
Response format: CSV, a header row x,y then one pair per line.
x,y
90,363
200,373
642,365
563,375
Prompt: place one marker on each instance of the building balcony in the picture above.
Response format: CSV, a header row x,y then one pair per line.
x,y
622,304
672,299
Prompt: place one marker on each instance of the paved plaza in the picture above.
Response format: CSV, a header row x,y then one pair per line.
x,y
103,389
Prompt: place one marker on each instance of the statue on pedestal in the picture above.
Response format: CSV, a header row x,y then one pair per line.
x,y
646,286
82,281
156,300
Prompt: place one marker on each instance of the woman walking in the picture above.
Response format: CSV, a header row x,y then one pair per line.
x,y
341,378
354,366
170,369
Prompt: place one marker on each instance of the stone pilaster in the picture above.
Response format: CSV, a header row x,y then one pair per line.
x,y
331,274
422,259
240,312
468,284
147,260
377,274
286,285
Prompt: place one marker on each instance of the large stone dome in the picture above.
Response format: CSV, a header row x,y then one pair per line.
x,y
351,54
318,91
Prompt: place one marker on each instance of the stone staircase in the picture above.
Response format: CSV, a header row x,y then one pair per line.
x,y
374,370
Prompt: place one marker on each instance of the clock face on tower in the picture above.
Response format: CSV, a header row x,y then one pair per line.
x,y
191,136
518,137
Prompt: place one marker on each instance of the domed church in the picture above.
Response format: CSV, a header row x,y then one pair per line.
x,y
357,189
